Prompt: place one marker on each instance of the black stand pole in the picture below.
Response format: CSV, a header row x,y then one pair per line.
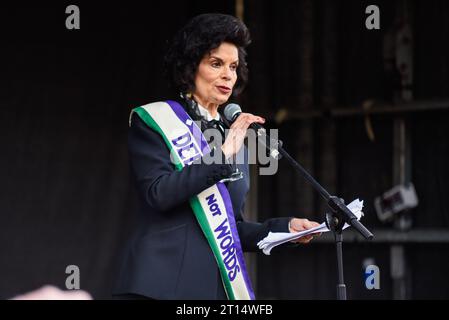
x,y
335,219
336,226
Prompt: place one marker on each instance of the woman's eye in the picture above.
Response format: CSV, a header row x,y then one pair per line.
x,y
216,64
233,67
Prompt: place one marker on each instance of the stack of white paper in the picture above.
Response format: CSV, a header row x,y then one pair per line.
x,y
276,238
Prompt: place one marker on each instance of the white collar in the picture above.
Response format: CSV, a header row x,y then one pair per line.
x,y
205,113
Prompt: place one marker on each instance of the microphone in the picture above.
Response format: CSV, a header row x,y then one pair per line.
x,y
232,111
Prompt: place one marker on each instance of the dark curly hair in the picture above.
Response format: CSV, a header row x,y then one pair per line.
x,y
201,35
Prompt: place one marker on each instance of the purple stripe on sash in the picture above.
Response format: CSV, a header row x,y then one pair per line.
x,y
238,247
194,130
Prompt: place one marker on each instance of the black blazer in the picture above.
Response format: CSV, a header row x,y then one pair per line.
x,y
168,256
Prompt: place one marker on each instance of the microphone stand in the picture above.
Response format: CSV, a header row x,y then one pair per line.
x,y
337,215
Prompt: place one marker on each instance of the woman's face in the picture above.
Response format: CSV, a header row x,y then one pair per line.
x,y
216,75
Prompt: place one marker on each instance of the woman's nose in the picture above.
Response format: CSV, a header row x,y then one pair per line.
x,y
226,74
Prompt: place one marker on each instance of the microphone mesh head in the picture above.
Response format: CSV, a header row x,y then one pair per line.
x,y
231,110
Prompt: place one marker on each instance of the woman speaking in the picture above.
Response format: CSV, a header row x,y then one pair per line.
x,y
191,234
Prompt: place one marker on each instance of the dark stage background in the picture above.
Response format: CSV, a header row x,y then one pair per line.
x,y
65,97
